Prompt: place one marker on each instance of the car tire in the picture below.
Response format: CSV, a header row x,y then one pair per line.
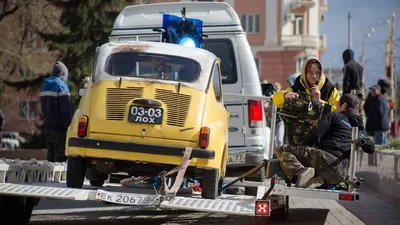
x,y
210,181
96,183
76,170
17,210
95,178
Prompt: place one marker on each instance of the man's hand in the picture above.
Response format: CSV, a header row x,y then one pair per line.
x,y
291,95
315,93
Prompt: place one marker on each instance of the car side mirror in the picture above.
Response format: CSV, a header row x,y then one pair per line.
x,y
82,91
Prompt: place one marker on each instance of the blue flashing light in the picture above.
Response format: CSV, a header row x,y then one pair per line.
x,y
183,31
187,41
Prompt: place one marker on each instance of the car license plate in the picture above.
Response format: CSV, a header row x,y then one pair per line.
x,y
127,198
236,159
142,114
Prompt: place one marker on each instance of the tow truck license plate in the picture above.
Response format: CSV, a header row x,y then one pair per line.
x,y
236,159
127,198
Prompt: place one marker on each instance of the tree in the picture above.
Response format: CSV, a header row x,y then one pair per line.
x,y
84,26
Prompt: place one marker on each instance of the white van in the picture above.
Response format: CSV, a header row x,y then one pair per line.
x,y
248,140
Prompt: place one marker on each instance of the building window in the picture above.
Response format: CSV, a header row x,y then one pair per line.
x,y
299,63
27,110
257,60
250,23
298,25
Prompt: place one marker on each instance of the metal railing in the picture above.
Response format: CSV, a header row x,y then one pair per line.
x,y
300,41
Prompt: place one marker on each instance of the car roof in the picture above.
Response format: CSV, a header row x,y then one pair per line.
x,y
150,15
197,54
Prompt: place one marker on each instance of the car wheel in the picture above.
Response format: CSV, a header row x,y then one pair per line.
x,y
76,170
210,184
17,210
96,183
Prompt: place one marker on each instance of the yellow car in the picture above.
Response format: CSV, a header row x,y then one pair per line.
x,y
143,105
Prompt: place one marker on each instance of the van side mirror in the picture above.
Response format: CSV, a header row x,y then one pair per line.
x,y
82,91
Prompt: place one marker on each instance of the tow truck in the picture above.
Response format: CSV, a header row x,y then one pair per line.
x,y
24,182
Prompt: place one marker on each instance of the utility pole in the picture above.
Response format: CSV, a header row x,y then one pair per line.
x,y
349,30
390,62
363,66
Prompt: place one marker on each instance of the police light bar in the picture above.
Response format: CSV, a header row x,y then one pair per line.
x,y
181,30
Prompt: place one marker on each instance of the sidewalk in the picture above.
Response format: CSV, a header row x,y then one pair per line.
x,y
374,208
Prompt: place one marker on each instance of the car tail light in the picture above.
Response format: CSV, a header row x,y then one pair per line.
x,y
82,126
263,208
204,137
255,113
348,197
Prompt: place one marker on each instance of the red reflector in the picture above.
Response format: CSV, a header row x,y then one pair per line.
x,y
255,113
82,126
263,208
204,137
348,197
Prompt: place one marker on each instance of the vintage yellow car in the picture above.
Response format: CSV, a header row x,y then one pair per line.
x,y
144,103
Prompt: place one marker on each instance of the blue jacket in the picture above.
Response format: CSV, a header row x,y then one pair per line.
x,y
56,104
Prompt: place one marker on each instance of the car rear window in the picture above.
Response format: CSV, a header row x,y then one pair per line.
x,y
223,49
155,66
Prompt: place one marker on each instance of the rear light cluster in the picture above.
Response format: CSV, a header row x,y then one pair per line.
x,y
347,197
255,113
204,137
82,126
263,208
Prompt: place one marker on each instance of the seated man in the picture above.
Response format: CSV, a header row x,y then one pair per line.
x,y
326,152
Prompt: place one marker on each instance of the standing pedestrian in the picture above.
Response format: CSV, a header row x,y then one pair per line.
x,y
352,77
377,112
352,73
57,112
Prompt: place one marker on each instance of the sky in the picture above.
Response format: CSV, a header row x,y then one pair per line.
x,y
365,14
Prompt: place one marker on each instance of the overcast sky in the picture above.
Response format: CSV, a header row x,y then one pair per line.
x,y
365,14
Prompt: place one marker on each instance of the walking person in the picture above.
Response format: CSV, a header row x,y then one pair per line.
x,y
57,112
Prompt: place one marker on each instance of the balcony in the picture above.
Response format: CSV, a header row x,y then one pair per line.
x,y
300,41
323,6
323,43
294,4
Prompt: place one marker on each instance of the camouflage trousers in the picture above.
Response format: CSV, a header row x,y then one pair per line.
x,y
331,168
55,142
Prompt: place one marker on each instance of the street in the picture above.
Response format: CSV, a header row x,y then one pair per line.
x,y
372,208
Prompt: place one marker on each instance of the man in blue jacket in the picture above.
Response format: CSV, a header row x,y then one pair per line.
x,y
57,112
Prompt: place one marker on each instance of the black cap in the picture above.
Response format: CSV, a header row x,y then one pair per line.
x,y
352,103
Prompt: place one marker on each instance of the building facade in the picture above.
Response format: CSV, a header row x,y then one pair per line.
x,y
282,33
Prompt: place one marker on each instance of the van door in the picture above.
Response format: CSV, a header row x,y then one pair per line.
x,y
224,47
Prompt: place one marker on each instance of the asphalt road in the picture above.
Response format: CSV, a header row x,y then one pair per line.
x,y
50,212
372,209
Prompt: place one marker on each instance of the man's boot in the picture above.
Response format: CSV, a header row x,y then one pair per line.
x,y
314,182
303,176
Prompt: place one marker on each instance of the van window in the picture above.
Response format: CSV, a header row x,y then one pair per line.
x,y
223,49
217,83
155,66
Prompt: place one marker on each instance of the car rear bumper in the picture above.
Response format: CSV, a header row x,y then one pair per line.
x,y
252,155
138,148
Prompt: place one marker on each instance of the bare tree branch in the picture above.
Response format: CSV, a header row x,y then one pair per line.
x,y
6,12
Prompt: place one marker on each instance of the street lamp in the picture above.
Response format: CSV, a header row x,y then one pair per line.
x,y
367,34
